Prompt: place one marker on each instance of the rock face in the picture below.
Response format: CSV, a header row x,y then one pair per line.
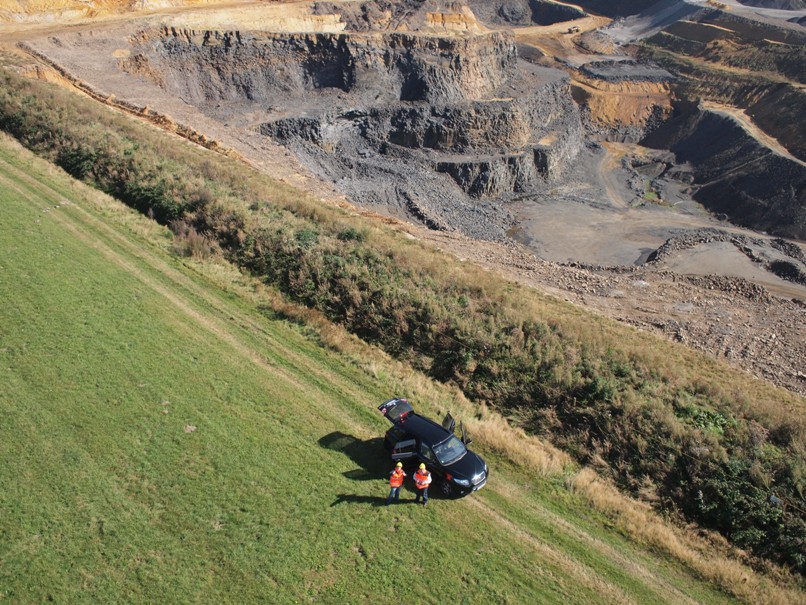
x,y
766,63
219,66
736,175
542,134
525,12
439,127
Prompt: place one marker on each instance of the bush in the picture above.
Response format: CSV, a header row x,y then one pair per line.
x,y
188,242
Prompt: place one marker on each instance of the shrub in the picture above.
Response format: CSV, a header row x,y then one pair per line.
x,y
351,234
188,242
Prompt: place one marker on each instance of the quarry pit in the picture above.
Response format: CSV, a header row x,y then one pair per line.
x,y
516,135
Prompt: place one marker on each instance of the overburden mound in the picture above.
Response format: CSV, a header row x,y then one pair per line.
x,y
735,174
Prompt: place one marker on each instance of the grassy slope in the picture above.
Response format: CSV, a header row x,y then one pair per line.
x,y
110,348
650,409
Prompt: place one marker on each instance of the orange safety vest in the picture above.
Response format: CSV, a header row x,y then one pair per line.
x,y
396,479
422,478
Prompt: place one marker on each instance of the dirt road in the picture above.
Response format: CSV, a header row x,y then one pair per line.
x,y
749,126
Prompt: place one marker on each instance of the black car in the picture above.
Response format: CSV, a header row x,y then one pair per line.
x,y
457,471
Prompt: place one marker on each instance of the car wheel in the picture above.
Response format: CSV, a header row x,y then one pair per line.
x,y
445,488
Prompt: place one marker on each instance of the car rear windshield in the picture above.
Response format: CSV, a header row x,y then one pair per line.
x,y
450,450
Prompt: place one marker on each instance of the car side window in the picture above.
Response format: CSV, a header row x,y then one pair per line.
x,y
397,434
426,453
406,446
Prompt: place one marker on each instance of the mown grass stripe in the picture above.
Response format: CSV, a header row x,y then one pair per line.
x,y
288,357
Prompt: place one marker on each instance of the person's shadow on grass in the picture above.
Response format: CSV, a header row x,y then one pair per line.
x,y
355,499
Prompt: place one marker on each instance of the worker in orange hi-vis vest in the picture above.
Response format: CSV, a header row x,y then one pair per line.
x,y
422,479
395,481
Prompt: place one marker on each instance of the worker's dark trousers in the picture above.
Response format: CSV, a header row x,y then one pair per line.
x,y
393,493
423,493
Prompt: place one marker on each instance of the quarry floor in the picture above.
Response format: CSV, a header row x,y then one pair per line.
x,y
583,241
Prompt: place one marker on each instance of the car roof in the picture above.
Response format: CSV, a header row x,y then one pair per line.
x,y
423,428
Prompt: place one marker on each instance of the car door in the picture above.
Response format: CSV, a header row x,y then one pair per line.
x,y
404,449
427,455
395,409
448,423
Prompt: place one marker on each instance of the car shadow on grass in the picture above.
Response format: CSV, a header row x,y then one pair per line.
x,y
369,455
372,460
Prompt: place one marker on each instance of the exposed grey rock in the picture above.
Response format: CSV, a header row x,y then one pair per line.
x,y
626,71
441,129
524,12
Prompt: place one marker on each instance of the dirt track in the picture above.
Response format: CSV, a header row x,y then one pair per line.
x,y
747,123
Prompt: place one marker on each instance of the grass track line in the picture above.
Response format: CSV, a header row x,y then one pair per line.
x,y
652,580
213,326
160,267
584,574
217,327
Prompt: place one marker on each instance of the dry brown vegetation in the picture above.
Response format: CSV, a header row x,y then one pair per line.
x,y
638,521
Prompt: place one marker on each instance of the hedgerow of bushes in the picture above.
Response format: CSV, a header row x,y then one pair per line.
x,y
702,440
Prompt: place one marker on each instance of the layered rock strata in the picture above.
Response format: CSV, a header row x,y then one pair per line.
x,y
431,125
206,66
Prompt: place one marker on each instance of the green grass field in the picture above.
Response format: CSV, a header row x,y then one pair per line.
x,y
163,441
